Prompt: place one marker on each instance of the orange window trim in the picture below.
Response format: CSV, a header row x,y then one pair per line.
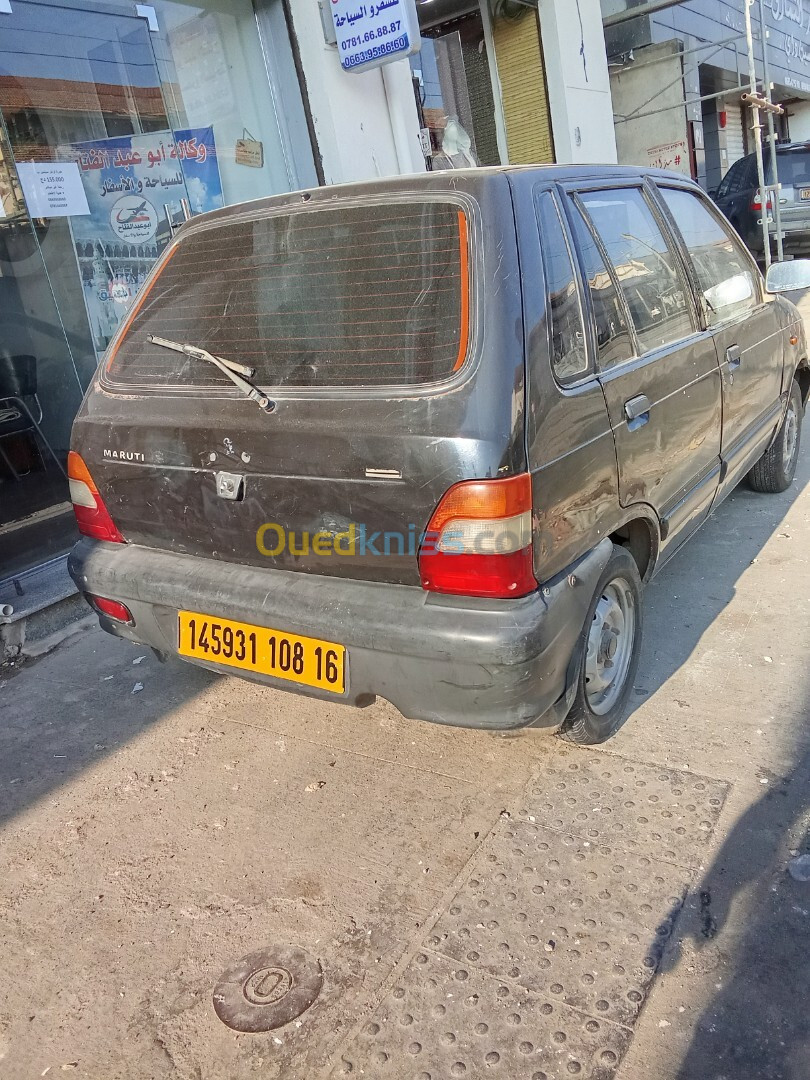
x,y
465,289
129,319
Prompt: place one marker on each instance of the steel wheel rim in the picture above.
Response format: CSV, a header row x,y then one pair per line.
x,y
609,648
790,437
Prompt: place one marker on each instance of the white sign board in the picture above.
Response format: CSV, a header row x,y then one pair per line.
x,y
373,33
52,188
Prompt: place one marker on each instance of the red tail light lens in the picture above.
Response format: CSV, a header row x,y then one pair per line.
x,y
92,515
112,608
479,540
756,202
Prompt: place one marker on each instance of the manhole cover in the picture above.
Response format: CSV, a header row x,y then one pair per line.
x,y
267,989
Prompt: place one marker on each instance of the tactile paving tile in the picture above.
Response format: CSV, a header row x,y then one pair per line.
x,y
584,923
666,813
442,1022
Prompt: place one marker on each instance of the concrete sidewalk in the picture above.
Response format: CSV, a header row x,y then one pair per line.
x,y
478,905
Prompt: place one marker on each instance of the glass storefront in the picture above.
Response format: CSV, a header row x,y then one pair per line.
x,y
118,121
452,71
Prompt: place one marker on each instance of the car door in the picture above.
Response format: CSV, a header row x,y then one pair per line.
x,y
735,191
568,434
744,324
658,369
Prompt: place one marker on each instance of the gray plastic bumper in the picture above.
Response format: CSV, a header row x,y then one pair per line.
x,y
475,663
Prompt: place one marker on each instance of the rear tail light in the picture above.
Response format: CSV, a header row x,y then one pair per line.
x,y
92,515
114,609
479,540
756,202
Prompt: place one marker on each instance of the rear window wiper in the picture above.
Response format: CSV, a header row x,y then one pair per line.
x,y
239,374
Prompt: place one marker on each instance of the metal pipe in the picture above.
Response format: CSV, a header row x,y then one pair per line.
x,y
634,66
666,108
643,9
756,127
777,210
669,85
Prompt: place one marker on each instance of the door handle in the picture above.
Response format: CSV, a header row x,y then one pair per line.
x,y
637,411
734,357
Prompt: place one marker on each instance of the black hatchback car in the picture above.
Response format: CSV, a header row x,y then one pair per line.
x,y
425,438
740,199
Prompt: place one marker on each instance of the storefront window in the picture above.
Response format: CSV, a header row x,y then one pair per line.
x,y
118,126
455,87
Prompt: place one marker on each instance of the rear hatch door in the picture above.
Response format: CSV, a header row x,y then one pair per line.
x,y
386,330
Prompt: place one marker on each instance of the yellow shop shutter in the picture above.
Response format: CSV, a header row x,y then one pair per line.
x,y
522,75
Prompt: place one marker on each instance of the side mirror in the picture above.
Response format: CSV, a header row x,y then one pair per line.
x,y
787,276
713,193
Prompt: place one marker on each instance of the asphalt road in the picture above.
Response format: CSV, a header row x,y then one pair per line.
x,y
470,905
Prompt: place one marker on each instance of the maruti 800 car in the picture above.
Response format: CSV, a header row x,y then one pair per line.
x,y
426,437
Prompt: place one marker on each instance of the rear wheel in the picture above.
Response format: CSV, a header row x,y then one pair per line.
x,y
776,468
610,651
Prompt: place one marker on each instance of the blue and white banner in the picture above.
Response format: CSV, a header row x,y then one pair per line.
x,y
138,188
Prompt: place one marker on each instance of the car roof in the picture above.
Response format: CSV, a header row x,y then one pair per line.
x,y
433,182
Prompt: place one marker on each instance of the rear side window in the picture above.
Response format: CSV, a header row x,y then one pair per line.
x,y
612,336
349,296
568,355
734,180
646,266
793,168
722,267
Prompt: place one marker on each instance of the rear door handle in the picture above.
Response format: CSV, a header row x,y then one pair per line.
x,y
637,411
734,357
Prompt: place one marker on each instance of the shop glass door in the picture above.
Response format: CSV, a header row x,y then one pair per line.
x,y
40,391
94,182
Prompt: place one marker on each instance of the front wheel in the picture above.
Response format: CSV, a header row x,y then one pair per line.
x,y
776,468
610,646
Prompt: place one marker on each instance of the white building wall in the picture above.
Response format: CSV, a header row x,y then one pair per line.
x,y
578,81
366,122
799,121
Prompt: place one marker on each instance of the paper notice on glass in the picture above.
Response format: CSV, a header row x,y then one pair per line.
x,y
53,188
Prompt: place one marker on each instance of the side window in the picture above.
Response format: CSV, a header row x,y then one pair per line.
x,y
722,267
612,336
732,181
568,354
646,266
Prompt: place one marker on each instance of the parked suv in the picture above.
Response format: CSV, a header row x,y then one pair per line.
x,y
739,197
425,438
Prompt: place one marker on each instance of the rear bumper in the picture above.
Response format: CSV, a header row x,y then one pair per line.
x,y
472,663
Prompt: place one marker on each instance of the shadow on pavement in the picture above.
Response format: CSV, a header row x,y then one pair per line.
x,y
692,590
747,922
89,709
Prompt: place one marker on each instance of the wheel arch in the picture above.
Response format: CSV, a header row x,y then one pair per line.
x,y
802,377
639,532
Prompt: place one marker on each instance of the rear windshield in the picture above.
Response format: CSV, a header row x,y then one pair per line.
x,y
793,168
351,296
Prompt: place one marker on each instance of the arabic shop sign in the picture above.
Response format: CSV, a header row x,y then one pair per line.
x,y
373,33
795,11
138,188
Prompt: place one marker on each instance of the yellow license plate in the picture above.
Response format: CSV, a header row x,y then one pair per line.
x,y
805,193
256,648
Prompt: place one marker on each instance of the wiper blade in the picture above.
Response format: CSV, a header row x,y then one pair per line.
x,y
239,374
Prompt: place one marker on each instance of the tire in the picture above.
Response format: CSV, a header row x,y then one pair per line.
x,y
776,468
598,710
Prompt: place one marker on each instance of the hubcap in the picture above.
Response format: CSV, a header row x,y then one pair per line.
x,y
610,646
790,437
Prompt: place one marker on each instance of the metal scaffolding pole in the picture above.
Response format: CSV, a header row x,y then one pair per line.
x,y
777,187
756,127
